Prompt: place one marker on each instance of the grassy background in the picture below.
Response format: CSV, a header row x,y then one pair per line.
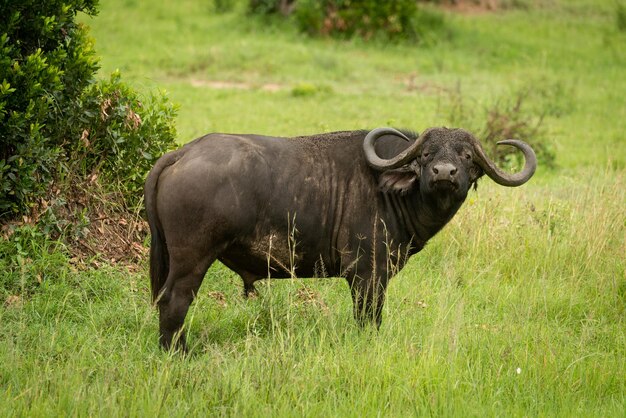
x,y
517,308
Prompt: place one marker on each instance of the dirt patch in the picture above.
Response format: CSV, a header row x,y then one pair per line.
x,y
413,83
234,85
310,297
112,232
95,225
219,298
13,301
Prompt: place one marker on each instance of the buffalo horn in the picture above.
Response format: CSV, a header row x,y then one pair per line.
x,y
387,164
501,177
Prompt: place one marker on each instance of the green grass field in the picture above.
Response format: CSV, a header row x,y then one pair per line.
x,y
517,308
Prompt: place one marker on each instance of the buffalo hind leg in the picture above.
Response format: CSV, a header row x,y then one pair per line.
x,y
180,289
368,298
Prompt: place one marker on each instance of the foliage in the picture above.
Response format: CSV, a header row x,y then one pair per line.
x,y
365,18
396,19
508,117
46,60
309,89
223,6
54,118
620,16
284,7
485,4
121,137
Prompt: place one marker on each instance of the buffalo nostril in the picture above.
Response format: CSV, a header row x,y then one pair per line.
x,y
444,171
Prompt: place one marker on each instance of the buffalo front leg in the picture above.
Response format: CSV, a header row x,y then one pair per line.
x,y
368,298
179,291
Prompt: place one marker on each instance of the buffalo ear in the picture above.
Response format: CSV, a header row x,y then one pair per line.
x,y
400,180
475,173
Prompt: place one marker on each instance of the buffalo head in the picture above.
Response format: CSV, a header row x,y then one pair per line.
x,y
445,162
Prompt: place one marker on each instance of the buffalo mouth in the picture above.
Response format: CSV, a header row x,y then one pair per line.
x,y
444,185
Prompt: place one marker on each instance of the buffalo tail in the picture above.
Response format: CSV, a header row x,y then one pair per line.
x,y
159,255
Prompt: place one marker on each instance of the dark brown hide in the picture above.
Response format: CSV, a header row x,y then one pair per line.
x,y
309,206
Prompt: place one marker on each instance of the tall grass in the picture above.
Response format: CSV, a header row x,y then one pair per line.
x,y
516,308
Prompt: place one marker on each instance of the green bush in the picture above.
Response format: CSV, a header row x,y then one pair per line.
x,y
46,60
284,7
223,6
54,118
309,89
393,19
119,136
508,117
620,16
365,18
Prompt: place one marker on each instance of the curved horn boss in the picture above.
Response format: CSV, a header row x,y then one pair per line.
x,y
378,163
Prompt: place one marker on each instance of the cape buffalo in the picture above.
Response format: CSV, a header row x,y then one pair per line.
x,y
352,204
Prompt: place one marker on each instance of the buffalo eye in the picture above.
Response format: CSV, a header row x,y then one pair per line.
x,y
468,156
425,154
